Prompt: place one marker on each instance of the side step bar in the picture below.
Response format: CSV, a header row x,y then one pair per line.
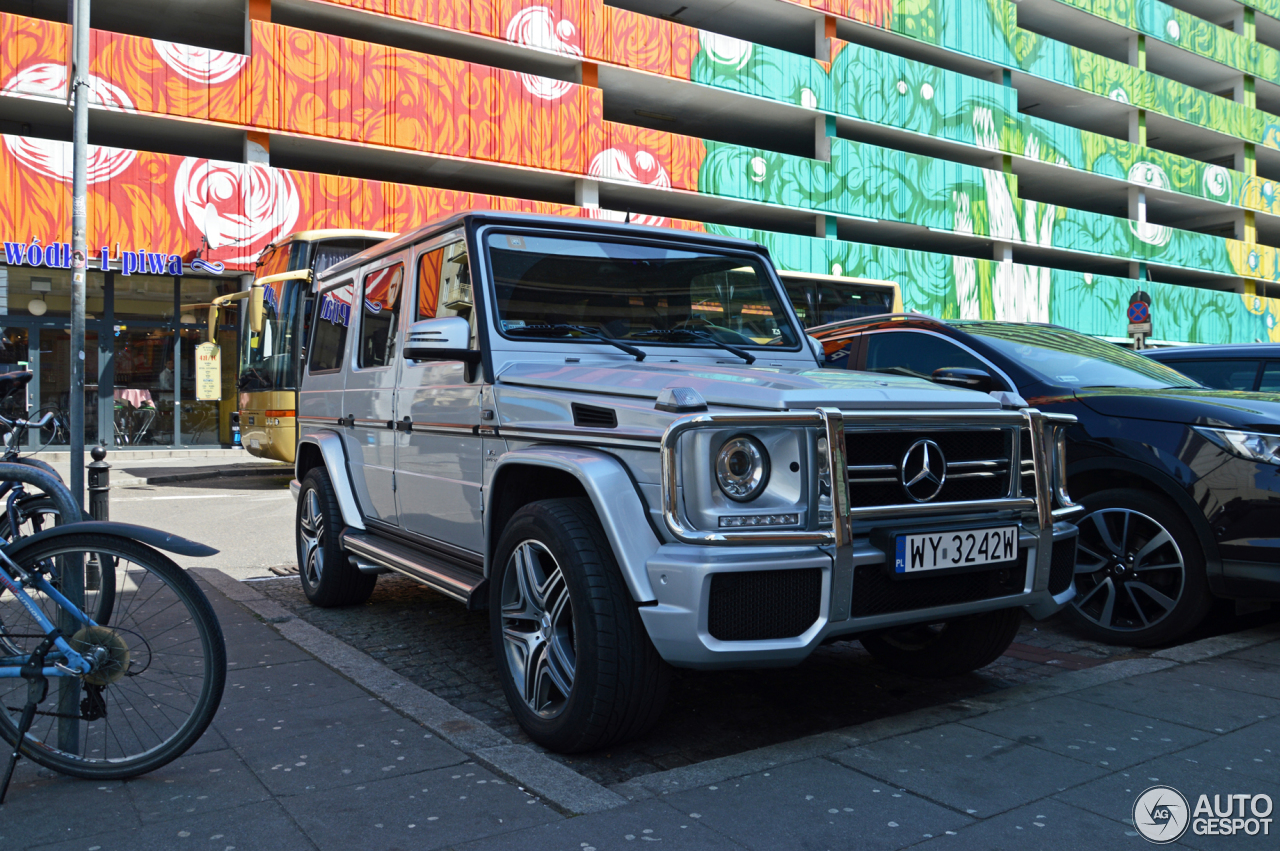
x,y
464,585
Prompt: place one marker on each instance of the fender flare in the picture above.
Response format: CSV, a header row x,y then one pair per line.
x,y
334,457
1168,486
615,497
142,534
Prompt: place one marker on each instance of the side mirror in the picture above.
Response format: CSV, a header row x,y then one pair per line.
x,y
441,339
256,309
959,376
816,346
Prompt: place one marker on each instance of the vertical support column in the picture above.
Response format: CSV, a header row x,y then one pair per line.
x,y
258,10
824,130
824,226
1138,203
107,362
1138,51
257,147
1138,127
824,29
586,193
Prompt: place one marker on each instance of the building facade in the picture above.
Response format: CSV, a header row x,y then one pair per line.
x,y
1038,161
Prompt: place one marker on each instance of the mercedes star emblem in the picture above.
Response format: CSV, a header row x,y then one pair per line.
x,y
924,469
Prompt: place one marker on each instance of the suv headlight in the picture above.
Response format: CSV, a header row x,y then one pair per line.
x,y
1262,448
742,468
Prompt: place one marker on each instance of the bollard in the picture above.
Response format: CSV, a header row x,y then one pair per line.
x,y
99,484
99,508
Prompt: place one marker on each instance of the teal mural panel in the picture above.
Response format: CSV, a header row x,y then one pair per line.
x,y
966,288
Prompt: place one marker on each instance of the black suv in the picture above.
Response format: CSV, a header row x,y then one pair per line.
x,y
1181,482
1243,366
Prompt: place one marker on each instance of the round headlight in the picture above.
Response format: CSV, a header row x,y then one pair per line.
x,y
742,468
824,457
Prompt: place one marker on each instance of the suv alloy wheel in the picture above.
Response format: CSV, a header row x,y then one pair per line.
x,y
576,664
328,576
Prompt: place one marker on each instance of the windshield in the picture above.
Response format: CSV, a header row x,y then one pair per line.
x,y
1076,360
267,360
644,294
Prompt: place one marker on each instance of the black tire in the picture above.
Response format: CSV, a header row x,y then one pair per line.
x,y
617,682
1153,599
946,649
328,576
164,673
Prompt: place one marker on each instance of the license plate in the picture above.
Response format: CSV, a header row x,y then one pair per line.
x,y
955,549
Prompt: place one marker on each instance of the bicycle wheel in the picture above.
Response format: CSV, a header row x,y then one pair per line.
x,y
162,672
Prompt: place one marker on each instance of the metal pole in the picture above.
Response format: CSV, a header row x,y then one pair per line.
x,y
79,244
72,580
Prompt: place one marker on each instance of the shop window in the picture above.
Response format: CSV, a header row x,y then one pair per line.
x,y
379,312
333,317
46,293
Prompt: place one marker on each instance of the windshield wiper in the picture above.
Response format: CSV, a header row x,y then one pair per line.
x,y
559,329
700,335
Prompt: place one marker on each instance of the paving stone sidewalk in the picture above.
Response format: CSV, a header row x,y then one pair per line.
x,y
302,757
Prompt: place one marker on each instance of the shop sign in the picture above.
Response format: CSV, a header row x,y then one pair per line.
x,y
208,372
57,255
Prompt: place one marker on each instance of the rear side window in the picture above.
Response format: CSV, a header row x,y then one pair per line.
x,y
1218,374
333,317
379,315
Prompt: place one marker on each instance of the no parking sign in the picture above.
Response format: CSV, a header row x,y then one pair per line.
x,y
1139,315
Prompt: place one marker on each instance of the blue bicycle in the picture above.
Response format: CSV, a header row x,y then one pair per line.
x,y
112,662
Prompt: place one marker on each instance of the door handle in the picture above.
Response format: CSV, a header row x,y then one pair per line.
x,y
405,425
349,421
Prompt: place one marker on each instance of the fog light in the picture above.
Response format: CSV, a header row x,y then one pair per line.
x,y
740,520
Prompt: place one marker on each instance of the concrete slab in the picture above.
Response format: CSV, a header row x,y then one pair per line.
x,y
1092,733
256,827
651,821
420,811
195,784
1175,695
1266,653
970,770
28,819
347,756
1253,752
244,724
825,806
1042,826
306,682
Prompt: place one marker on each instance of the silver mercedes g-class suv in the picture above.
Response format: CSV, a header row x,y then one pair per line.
x,y
619,441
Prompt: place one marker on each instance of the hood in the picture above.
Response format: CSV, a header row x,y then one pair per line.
x,y
1222,408
761,388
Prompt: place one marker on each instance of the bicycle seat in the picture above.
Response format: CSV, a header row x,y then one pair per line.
x,y
11,381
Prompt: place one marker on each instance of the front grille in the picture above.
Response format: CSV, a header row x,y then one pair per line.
x,y
875,593
761,604
1028,465
1062,565
977,465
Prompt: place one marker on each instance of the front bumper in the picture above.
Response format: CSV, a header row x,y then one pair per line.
x,y
681,576
854,595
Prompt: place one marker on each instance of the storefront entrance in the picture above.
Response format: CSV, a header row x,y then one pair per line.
x,y
139,355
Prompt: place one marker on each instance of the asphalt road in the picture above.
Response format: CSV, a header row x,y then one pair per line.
x,y
250,521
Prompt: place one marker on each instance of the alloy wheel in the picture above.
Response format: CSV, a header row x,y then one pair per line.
x,y
1130,573
537,629
311,529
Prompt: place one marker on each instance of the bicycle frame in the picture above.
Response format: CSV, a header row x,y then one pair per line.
x,y
74,664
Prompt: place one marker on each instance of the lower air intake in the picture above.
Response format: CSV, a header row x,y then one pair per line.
x,y
762,604
1062,566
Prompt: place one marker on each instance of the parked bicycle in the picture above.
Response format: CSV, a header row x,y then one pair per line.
x,y
112,662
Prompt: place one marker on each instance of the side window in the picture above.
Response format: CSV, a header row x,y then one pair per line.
x,y
333,317
1271,378
444,285
1219,374
917,355
379,312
